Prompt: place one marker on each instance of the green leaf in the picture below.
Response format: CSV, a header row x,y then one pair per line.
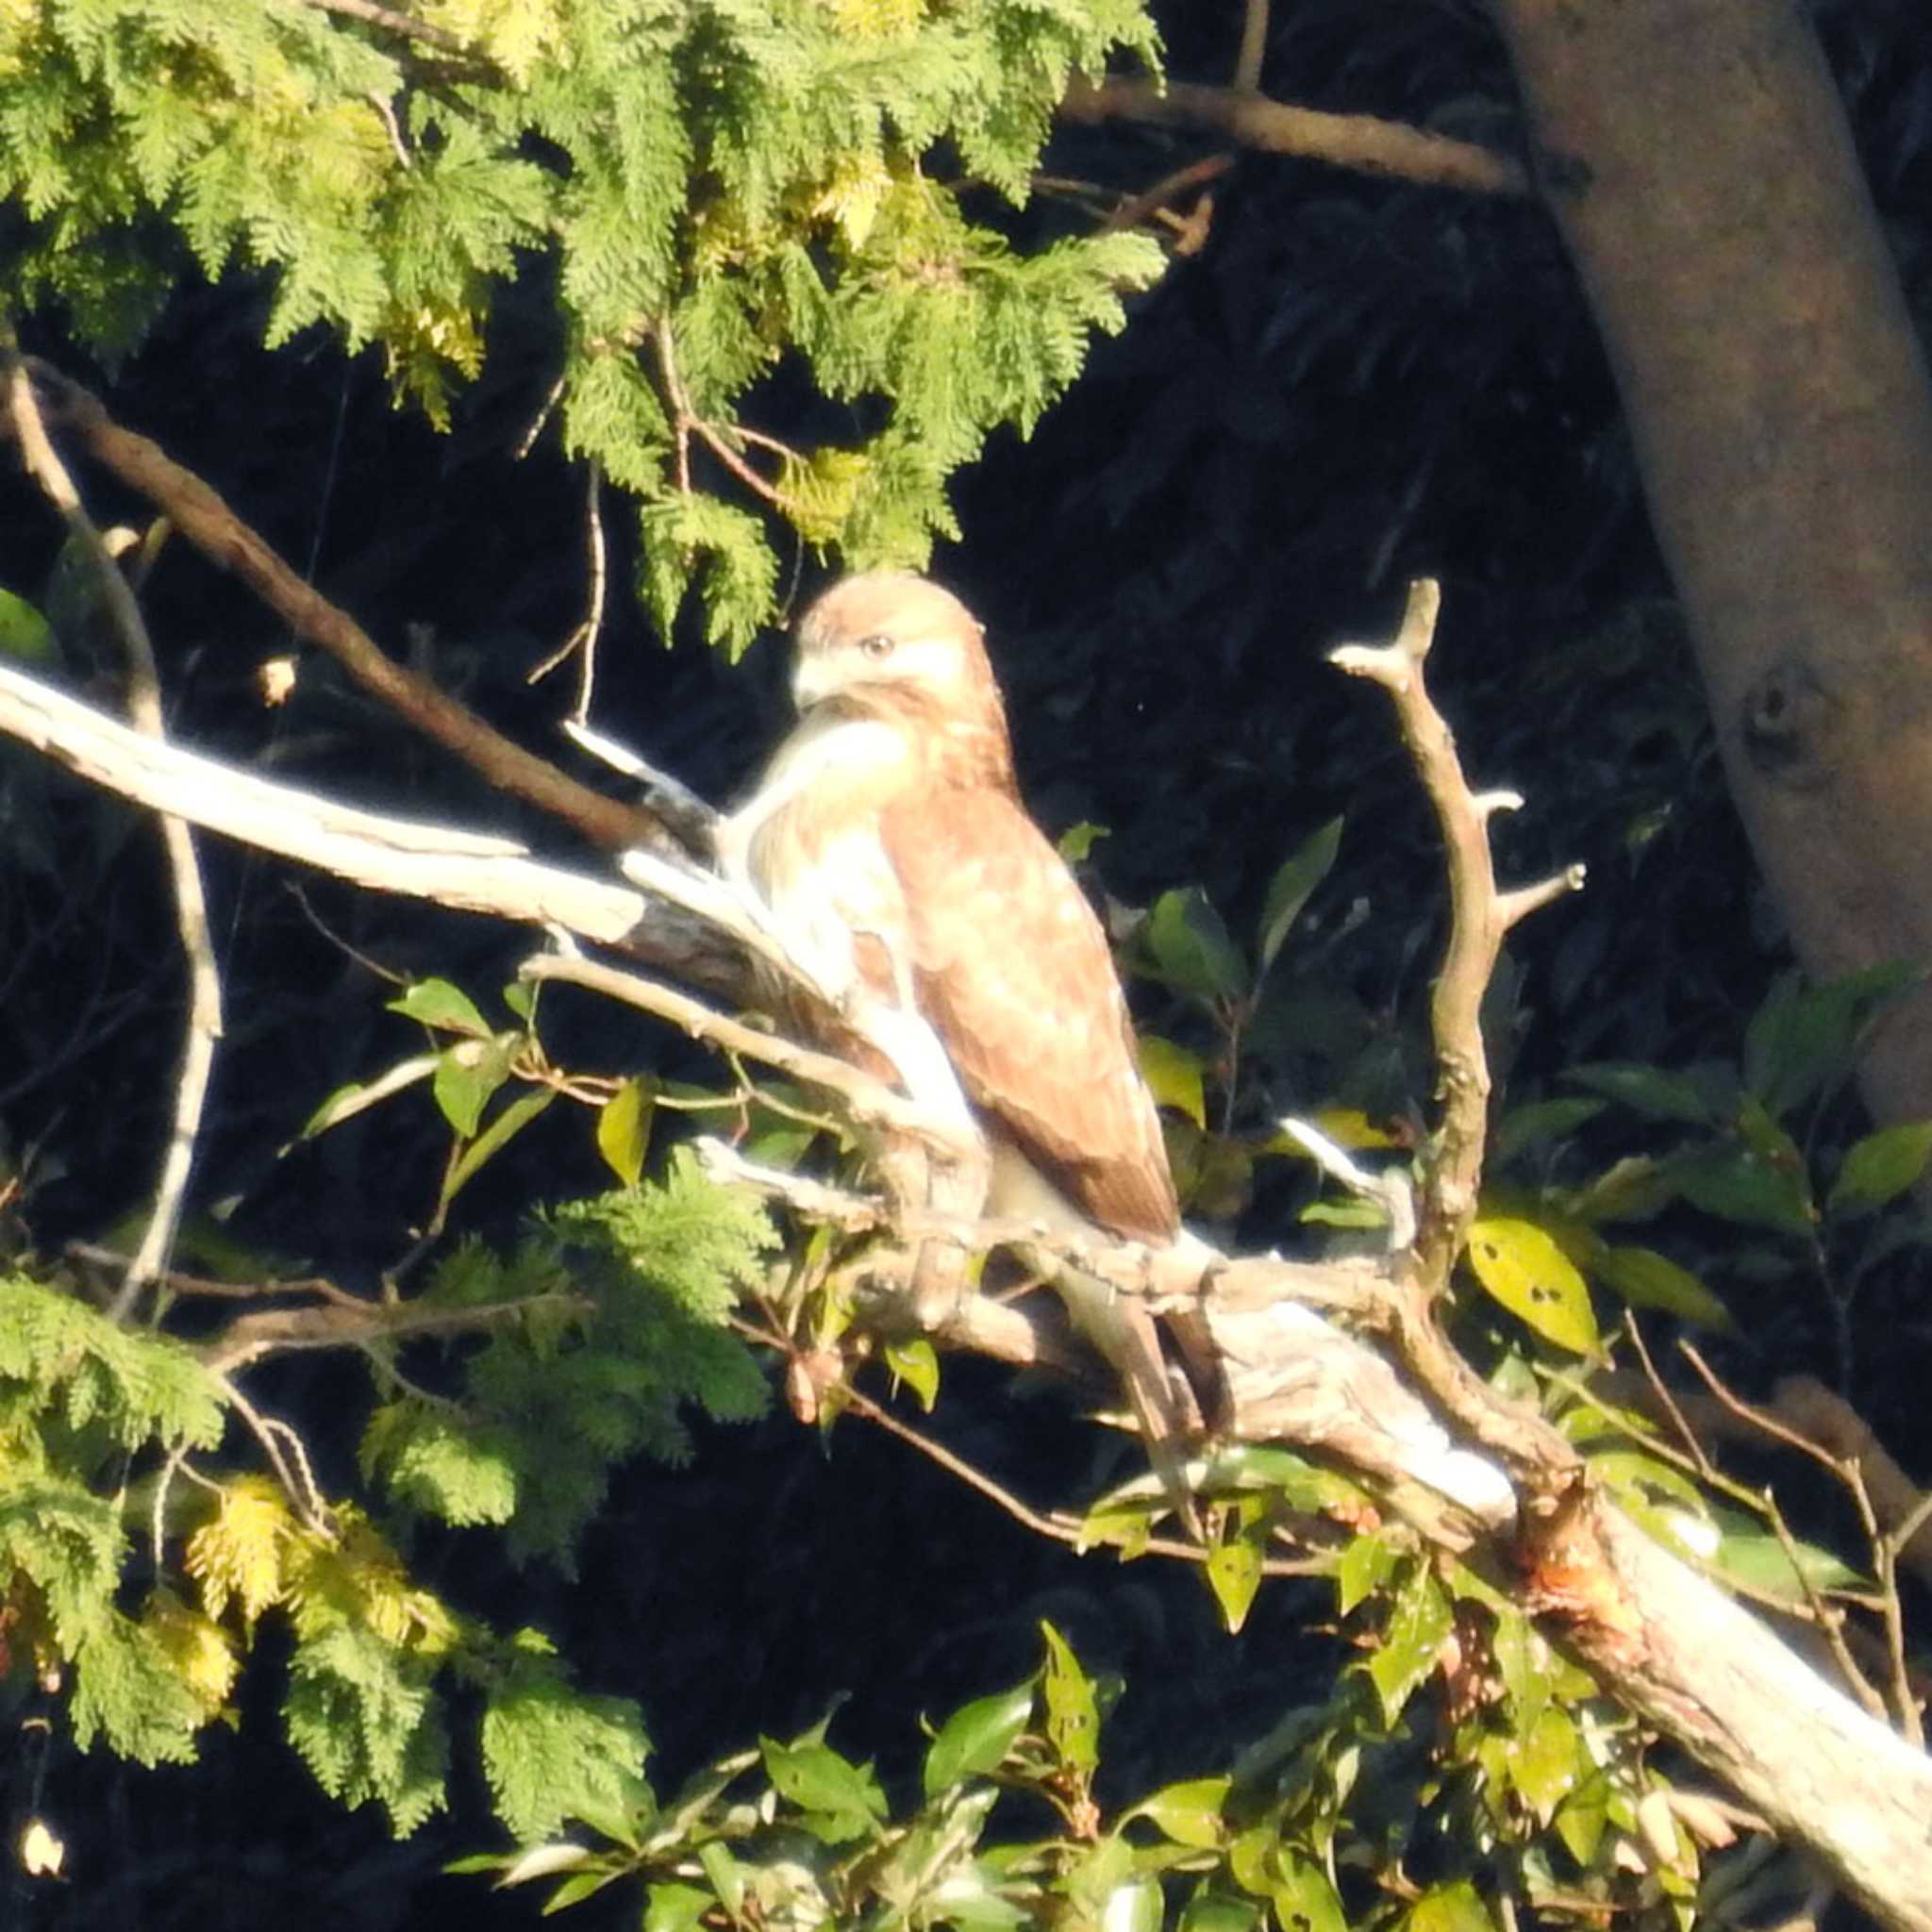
x,y
1637,1479
467,1075
1760,1562
25,635
1453,1908
1634,1188
676,1907
975,1741
441,1462
1072,1714
1364,1566
1234,1574
818,1780
1289,888
1191,949
623,1130
917,1364
1649,1091
1646,1279
1583,1817
1189,1812
725,1873
1304,1898
1419,1622
1246,1468
1881,1167
1076,844
1208,1911
346,1102
1804,1039
1139,1906
1738,1186
1525,1270
1173,1076
1527,1667
437,1004
1540,1123
495,1138
1546,1761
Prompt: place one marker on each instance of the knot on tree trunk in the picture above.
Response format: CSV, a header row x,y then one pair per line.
x,y
1788,722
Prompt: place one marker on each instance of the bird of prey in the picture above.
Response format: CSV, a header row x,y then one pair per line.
x,y
889,846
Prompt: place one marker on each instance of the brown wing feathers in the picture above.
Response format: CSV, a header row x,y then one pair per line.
x,y
1014,973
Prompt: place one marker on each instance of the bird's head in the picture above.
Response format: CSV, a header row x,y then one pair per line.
x,y
887,638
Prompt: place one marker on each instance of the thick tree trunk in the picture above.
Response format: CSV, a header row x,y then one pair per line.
x,y
1700,165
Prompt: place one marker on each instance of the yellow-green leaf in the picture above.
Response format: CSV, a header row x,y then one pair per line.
x,y
1546,1761
1419,1621
1305,1899
623,1130
1173,1074
917,1364
1189,1813
1453,1908
437,1003
1234,1574
1881,1167
1072,1714
1524,1269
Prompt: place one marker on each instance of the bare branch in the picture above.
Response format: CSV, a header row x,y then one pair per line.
x,y
1254,48
473,871
1357,142
202,516
1479,918
583,640
272,1331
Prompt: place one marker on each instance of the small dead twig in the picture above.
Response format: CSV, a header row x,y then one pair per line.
x,y
1693,1449
175,1282
288,1455
1057,1524
687,422
583,640
1850,1477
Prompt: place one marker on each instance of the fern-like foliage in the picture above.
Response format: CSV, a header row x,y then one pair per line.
x,y
76,1394
711,187
550,1406
589,1339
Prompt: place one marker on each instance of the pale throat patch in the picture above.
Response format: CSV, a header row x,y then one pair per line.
x,y
854,749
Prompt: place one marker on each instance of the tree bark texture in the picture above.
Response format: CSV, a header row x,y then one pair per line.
x,y
1710,1675
1699,164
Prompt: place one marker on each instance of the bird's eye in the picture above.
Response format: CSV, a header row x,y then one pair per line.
x,y
877,645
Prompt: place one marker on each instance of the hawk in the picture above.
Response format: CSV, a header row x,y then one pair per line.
x,y
888,843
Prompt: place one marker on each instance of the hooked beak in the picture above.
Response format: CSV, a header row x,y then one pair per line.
x,y
814,677
809,681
